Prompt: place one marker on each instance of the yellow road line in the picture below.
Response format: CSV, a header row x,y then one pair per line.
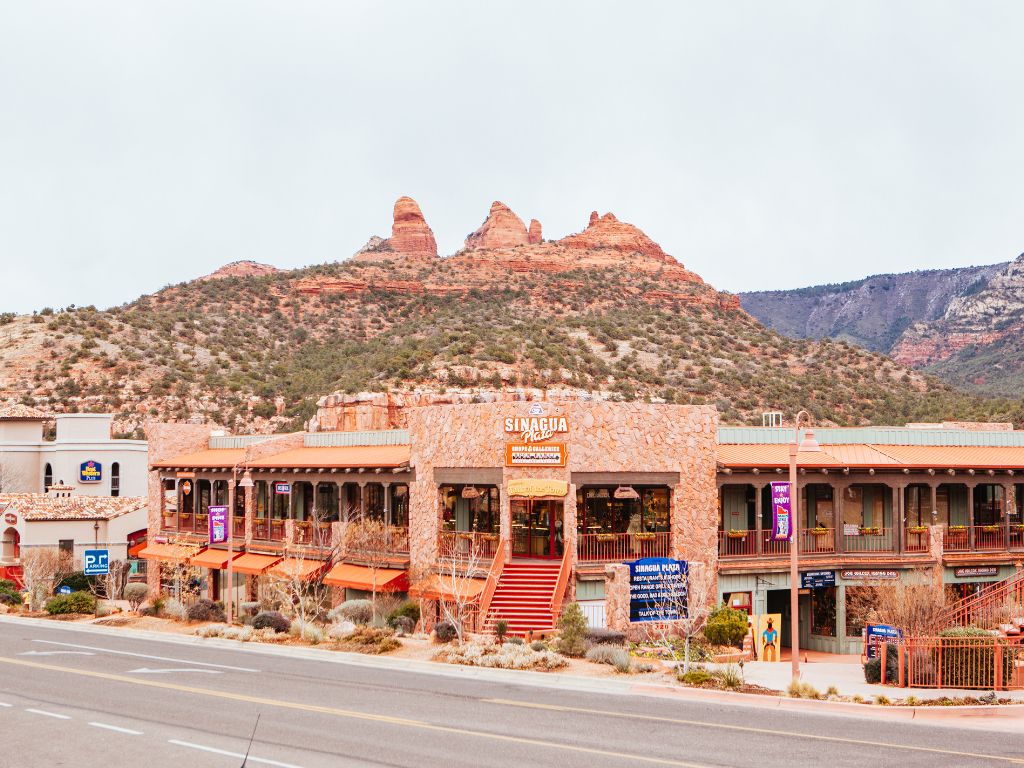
x,y
749,729
399,721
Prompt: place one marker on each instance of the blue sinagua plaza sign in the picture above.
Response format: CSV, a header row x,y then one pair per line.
x,y
657,589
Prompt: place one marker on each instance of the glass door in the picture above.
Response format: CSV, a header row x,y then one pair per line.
x,y
537,528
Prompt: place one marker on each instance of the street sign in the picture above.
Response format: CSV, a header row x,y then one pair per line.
x,y
817,579
97,562
218,524
879,633
282,489
65,590
658,589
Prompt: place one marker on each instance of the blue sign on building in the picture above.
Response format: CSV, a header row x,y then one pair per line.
x,y
65,590
876,634
817,579
90,472
97,562
657,589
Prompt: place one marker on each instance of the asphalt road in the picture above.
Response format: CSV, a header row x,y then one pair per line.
x,y
74,698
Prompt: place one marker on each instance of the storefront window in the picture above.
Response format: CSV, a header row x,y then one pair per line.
x,y
917,511
988,504
261,499
326,502
818,506
470,508
823,612
867,506
601,512
400,505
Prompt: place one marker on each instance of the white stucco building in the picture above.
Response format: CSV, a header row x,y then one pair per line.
x,y
82,456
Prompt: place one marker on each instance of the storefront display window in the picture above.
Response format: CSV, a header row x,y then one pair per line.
x,y
400,505
823,612
470,508
867,506
603,513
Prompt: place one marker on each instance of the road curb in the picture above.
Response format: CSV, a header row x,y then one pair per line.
x,y
978,716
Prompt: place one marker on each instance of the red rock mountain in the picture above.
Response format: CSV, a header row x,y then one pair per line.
x,y
241,269
501,229
410,236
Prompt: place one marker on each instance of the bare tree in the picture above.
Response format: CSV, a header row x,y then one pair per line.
x,y
679,610
370,540
13,480
915,608
42,569
185,579
459,596
299,581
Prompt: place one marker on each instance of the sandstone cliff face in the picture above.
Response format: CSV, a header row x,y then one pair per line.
x,y
410,236
501,229
607,232
535,235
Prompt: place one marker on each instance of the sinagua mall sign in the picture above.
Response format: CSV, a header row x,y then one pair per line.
x,y
534,431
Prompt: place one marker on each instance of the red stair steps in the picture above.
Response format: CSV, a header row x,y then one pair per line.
x,y
523,597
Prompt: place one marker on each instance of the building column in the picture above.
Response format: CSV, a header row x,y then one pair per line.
x,y
1008,490
758,510
838,489
362,499
898,521
841,618
387,503
970,516
250,511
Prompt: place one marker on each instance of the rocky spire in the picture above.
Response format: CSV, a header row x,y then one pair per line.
x,y
501,229
410,236
534,233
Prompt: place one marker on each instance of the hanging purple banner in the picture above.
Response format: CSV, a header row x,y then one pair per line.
x,y
782,513
218,524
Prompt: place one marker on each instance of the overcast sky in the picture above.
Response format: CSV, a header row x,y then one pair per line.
x,y
766,145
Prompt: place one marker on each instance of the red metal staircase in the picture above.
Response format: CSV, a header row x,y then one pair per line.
x,y
524,597
999,606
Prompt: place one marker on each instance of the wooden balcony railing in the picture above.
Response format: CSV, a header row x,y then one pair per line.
x,y
268,530
621,547
977,538
915,538
238,527
396,542
468,545
312,533
737,543
815,541
870,539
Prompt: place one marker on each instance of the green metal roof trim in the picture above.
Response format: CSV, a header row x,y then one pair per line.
x,y
873,436
369,437
237,441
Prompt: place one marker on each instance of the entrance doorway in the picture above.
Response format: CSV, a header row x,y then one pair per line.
x,y
537,528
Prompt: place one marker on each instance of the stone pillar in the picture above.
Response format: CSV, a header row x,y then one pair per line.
x,y
569,534
289,531
841,618
362,498
935,553
250,512
616,597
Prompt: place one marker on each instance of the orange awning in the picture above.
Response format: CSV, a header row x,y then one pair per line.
x,y
211,558
133,551
449,588
254,565
173,552
361,577
346,456
292,567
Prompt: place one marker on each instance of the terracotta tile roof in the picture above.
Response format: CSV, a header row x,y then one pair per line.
x,y
210,458
19,411
881,456
337,457
39,506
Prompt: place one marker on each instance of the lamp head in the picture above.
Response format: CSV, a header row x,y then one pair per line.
x,y
809,444
246,481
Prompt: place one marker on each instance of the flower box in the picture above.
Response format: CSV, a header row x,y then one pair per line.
x,y
605,537
466,535
918,529
820,531
490,537
871,531
644,536
991,528
737,534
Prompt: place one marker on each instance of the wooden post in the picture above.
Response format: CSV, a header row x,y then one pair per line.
x,y
998,671
758,530
970,517
901,670
883,655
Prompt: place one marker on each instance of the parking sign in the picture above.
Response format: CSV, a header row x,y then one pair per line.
x,y
97,562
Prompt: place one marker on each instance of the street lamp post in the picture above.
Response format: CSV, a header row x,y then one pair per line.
x,y
246,482
807,445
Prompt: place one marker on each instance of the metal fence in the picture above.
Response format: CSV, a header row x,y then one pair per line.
x,y
991,663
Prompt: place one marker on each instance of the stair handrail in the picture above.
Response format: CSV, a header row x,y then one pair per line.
x,y
560,585
959,614
493,576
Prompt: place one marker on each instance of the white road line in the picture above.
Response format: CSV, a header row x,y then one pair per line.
x,y
117,728
48,714
216,751
147,656
2,704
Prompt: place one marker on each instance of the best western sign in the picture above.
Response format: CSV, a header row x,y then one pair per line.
x,y
90,472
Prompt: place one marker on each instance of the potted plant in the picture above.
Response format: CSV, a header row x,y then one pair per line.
x,y
644,536
870,530
819,531
991,528
605,537
735,534
918,529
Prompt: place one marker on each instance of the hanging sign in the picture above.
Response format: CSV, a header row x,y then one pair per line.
x,y
875,634
782,512
626,492
978,570
282,489
90,472
817,579
658,589
186,487
886,575
11,519
218,524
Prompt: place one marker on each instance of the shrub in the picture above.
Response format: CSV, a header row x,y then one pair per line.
x,y
445,632
726,626
272,620
205,610
76,602
696,676
873,667
356,611
403,625
728,676
237,633
505,656
800,690
135,594
500,630
307,631
8,598
572,631
410,609
614,655
212,630
249,607
972,666
341,630
514,641
370,640
172,608
599,636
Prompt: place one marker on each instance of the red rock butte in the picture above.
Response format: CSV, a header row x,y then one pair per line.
x,y
410,236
